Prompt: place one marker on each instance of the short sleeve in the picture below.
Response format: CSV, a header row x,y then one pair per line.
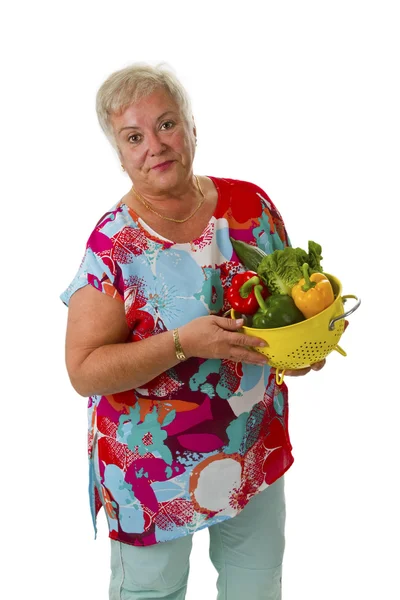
x,y
95,272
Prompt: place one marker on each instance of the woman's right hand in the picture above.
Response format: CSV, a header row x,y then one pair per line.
x,y
219,337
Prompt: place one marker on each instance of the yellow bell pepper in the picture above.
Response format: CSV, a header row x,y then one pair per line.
x,y
312,294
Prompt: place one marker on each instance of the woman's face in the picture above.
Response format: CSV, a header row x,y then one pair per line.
x,y
156,144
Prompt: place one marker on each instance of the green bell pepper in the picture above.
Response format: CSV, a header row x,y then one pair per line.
x,y
276,311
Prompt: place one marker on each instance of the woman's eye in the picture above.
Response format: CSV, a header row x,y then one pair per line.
x,y
167,125
134,139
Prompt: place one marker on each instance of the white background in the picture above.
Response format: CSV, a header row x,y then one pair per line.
x,y
301,98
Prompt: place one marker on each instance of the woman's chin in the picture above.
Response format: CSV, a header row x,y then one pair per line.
x,y
169,178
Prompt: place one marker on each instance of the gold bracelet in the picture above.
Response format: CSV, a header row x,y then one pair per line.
x,y
180,355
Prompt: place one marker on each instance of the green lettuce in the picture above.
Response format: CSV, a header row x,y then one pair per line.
x,y
282,269
314,257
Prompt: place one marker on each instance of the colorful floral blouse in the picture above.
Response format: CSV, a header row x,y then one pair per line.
x,y
191,447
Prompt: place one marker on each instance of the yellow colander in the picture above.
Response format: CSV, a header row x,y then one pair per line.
x,y
302,344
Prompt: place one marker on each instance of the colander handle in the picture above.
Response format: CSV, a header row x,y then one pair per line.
x,y
346,314
279,375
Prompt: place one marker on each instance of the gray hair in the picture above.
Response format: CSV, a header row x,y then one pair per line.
x,y
129,85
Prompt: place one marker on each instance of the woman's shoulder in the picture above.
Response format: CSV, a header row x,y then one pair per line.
x,y
239,189
250,213
115,215
108,228
112,221
230,184
243,199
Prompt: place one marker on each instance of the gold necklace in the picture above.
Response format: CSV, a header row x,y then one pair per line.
x,y
149,207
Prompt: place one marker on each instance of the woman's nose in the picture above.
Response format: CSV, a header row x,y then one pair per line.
x,y
155,146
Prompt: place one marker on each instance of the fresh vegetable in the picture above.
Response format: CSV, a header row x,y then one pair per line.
x,y
250,256
241,296
276,311
282,269
313,293
314,257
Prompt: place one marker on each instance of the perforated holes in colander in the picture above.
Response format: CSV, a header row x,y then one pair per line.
x,y
293,361
296,365
284,365
314,351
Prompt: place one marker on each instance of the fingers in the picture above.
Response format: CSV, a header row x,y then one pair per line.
x,y
318,365
240,342
300,372
294,372
229,324
241,348
220,337
242,339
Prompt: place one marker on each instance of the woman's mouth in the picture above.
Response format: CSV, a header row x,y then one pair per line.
x,y
163,166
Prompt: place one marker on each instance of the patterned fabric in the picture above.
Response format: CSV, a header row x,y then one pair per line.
x,y
194,445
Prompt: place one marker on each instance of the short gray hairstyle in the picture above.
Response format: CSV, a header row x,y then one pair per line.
x,y
127,86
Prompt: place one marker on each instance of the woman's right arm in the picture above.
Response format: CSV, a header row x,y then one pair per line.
x,y
101,360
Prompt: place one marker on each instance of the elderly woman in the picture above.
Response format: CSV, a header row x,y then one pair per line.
x,y
188,428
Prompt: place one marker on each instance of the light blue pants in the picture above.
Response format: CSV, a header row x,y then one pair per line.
x,y
247,552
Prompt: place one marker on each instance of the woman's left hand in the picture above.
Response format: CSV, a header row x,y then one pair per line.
x,y
299,372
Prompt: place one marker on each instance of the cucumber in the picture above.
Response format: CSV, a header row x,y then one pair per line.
x,y
249,255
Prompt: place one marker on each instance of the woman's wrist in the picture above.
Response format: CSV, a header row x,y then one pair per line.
x,y
185,341
179,352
